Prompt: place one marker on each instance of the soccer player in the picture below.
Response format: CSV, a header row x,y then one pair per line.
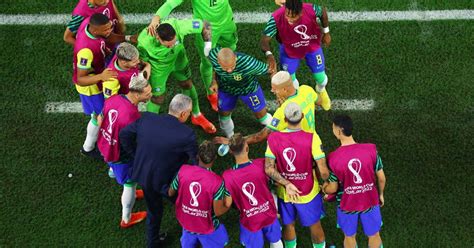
x,y
296,28
119,111
357,175
167,56
236,78
127,64
224,33
247,187
285,93
200,200
88,66
289,162
85,9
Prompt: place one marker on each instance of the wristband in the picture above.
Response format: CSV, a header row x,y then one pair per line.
x,y
127,38
268,53
326,30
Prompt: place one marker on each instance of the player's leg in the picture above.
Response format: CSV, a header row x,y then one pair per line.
x,y
251,239
227,103
205,67
348,225
228,37
92,106
159,76
218,238
290,65
309,215
371,224
315,61
256,102
273,234
288,217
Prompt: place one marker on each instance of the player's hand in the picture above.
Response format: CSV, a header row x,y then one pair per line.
x,y
271,64
292,191
214,86
382,200
107,74
220,140
326,39
280,2
134,38
155,22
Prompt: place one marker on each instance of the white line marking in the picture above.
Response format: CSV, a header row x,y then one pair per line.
x,y
259,17
338,104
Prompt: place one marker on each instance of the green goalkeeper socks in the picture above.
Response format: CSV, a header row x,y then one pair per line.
x,y
194,97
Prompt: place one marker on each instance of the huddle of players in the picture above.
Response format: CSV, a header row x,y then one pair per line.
x,y
97,27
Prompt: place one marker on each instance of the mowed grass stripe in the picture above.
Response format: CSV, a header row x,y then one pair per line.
x,y
259,17
338,104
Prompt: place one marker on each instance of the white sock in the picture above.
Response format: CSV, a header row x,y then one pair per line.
x,y
320,87
91,137
128,200
296,83
278,244
266,120
227,125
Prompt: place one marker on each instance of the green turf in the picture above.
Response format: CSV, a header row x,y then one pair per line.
x,y
146,6
419,74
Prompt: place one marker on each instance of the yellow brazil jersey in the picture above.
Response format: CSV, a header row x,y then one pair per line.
x,y
86,55
306,97
317,153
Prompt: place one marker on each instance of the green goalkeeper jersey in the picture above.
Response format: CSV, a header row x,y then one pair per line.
x,y
151,49
217,12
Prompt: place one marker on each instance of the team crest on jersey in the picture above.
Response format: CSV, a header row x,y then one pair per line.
x,y
196,24
83,61
106,12
237,77
275,122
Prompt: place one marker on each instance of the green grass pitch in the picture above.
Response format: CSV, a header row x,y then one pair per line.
x,y
420,74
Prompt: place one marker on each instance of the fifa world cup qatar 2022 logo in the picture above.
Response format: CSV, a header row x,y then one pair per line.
x,y
112,116
195,191
248,189
301,30
355,166
289,154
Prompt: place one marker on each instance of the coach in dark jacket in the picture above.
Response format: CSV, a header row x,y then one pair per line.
x,y
159,144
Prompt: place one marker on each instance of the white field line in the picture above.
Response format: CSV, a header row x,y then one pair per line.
x,y
338,104
259,17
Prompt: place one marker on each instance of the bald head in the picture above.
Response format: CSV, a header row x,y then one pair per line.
x,y
282,79
227,59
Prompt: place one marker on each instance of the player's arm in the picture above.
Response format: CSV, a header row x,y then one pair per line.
x,y
319,156
258,137
322,14
219,205
71,29
162,13
115,38
173,190
381,180
330,187
269,32
271,171
120,26
145,69
84,67
110,87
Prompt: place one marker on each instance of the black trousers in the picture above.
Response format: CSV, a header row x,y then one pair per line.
x,y
154,202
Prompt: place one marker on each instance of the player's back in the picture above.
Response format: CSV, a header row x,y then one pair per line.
x,y
250,193
194,205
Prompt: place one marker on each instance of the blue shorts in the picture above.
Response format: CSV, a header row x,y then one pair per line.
x,y
92,104
255,101
217,239
314,60
371,221
249,239
308,213
121,172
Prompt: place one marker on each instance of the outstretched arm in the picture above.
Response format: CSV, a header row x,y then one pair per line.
x,y
258,137
272,172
